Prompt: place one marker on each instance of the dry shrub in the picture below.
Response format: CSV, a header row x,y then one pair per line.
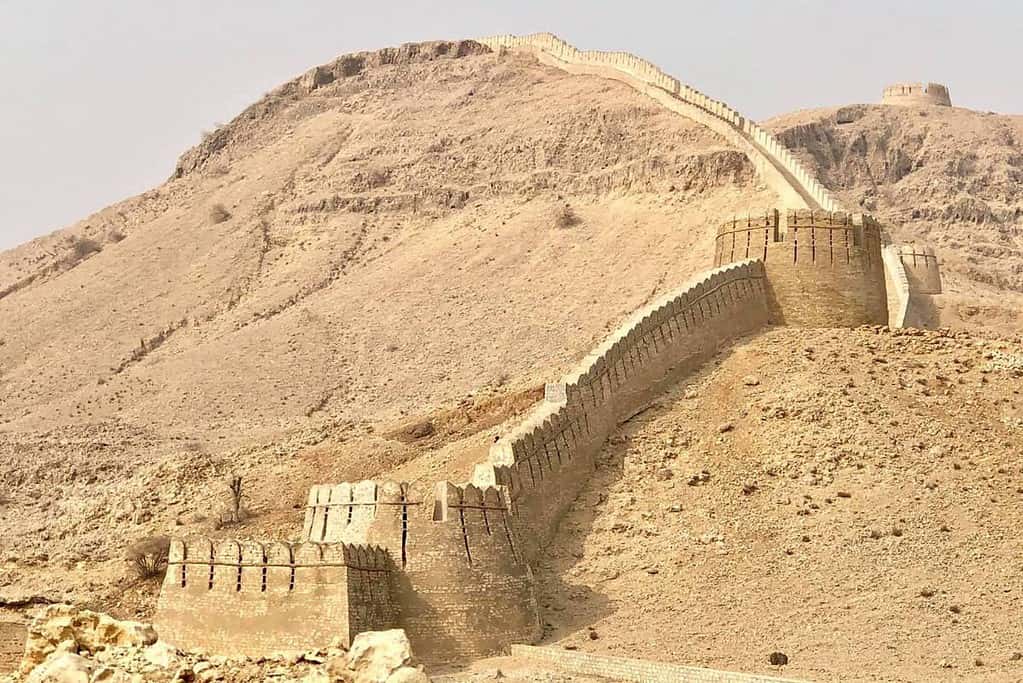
x,y
219,213
148,557
83,247
566,217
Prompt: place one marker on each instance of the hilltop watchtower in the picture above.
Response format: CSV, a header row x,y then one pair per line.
x,y
916,94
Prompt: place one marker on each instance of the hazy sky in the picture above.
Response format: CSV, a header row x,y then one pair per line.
x,y
99,97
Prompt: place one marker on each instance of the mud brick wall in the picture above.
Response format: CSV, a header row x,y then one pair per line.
x,y
824,269
777,166
545,461
240,597
640,670
12,645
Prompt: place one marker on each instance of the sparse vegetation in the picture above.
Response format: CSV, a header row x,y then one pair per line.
x,y
148,557
219,213
566,217
83,247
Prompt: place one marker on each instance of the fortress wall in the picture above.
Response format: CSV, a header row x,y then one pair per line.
x,y
779,169
466,591
243,597
365,512
917,94
922,271
897,285
824,269
545,461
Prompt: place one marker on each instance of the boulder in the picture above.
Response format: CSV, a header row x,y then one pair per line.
x,y
376,656
66,628
62,667
409,674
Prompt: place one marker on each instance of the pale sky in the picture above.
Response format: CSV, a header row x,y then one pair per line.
x,y
100,97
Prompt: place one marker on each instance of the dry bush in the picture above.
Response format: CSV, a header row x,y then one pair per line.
x,y
566,217
115,236
83,247
219,213
148,557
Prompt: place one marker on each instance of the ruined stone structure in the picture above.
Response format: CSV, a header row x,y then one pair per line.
x,y
917,94
451,564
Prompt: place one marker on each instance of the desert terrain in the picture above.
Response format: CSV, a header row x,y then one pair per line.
x,y
374,277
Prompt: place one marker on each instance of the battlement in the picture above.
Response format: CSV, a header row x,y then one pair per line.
x,y
922,269
824,268
916,94
251,598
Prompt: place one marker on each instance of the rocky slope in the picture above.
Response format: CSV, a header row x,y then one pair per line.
x,y
849,498
952,178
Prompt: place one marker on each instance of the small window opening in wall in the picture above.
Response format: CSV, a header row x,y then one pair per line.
x,y
262,586
404,526
184,574
238,579
212,570
291,562
326,516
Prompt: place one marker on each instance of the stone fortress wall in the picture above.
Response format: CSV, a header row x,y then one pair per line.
x,y
252,598
825,270
454,571
452,565
916,94
921,265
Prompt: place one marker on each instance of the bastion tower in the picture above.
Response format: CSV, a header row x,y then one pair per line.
x,y
917,94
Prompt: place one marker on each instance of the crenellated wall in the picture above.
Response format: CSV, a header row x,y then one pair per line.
x,y
453,566
243,597
921,264
546,459
916,94
778,167
465,587
824,269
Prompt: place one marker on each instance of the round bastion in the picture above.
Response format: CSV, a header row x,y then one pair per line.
x,y
917,94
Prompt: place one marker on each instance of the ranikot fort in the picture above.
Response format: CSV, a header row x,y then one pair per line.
x,y
451,563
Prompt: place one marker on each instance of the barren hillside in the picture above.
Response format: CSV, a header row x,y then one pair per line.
x,y
436,224
848,497
949,177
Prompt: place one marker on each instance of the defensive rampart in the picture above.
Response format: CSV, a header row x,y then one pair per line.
x,y
917,94
824,269
240,597
777,166
465,587
921,265
897,286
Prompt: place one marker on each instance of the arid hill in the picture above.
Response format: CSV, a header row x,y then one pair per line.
x,y
948,177
437,225
372,269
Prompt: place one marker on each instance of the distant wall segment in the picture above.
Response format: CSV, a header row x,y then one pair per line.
x,y
778,167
